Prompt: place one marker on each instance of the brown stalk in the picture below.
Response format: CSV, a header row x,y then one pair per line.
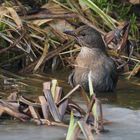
x,y
49,56
101,115
70,93
34,112
50,16
44,106
7,108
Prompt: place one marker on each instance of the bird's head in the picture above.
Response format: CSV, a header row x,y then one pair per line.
x,y
87,37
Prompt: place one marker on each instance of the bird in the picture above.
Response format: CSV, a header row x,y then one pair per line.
x,y
93,58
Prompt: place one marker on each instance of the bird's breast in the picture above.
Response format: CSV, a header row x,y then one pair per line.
x,y
88,56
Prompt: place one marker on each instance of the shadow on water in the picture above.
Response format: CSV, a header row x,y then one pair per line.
x,y
123,111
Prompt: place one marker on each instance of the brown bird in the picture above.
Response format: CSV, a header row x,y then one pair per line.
x,y
93,57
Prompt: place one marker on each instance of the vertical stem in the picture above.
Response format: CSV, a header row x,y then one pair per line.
x,y
101,114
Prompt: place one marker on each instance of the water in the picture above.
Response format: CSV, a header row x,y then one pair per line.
x,y
123,112
125,124
20,131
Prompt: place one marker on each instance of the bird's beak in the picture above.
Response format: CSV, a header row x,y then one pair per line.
x,y
71,33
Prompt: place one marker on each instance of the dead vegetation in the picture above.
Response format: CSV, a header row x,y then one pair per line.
x,y
30,39
52,109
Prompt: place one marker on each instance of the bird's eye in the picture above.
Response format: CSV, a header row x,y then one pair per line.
x,y
83,34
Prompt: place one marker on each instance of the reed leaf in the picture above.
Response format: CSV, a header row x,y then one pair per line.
x,y
108,20
91,91
53,87
86,130
73,129
94,107
15,17
45,51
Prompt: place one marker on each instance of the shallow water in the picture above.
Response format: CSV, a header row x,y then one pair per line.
x,y
125,125
123,111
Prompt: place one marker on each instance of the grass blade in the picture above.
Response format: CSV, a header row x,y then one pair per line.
x,y
86,130
91,91
104,16
73,130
